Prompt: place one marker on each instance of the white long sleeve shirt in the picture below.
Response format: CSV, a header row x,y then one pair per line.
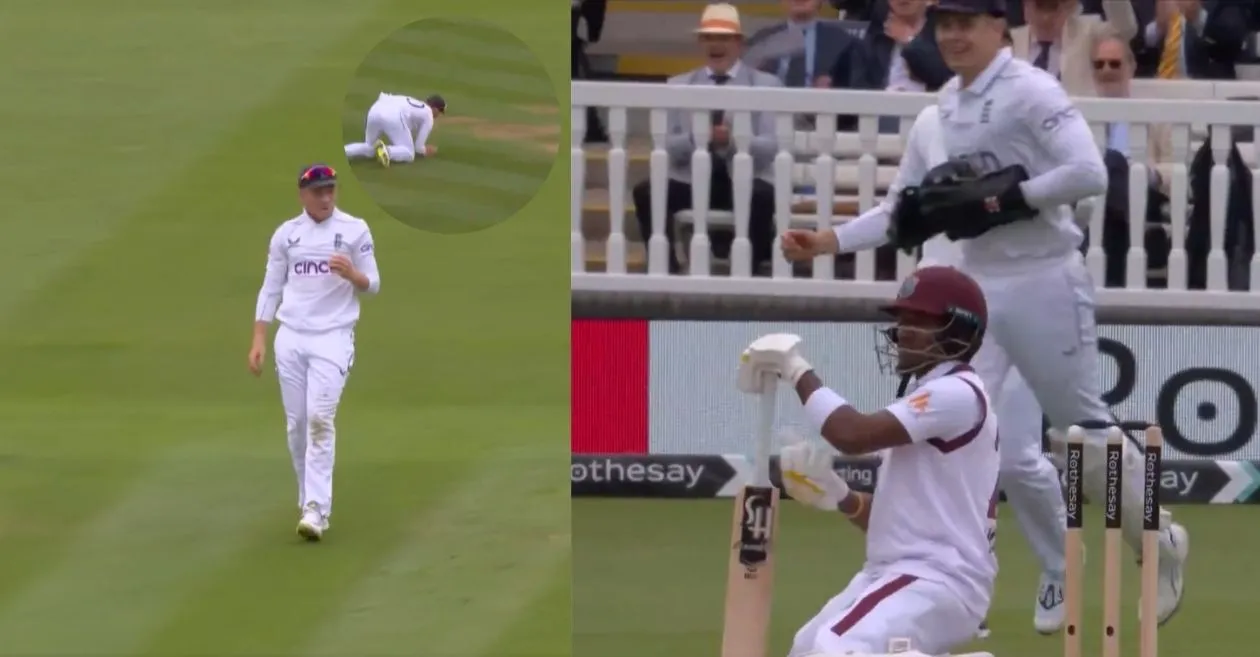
x,y
1019,115
299,289
416,115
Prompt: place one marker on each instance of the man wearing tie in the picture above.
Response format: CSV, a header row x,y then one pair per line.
x,y
1059,37
829,57
1199,39
722,41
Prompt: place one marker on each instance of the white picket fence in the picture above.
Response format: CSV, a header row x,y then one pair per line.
x,y
859,154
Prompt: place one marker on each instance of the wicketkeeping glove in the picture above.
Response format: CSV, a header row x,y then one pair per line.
x,y
809,476
909,228
970,207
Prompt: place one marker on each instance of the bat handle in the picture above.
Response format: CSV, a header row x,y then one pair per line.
x,y
765,424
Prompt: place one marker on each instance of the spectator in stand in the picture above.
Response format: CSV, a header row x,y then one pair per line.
x,y
902,44
1059,37
856,10
592,13
831,56
1114,65
722,41
1015,10
1198,39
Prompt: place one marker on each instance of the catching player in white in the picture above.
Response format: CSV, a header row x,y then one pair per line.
x,y
929,569
405,122
318,264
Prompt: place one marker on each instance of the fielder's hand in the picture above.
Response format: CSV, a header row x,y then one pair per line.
x,y
803,245
341,266
776,354
257,354
808,476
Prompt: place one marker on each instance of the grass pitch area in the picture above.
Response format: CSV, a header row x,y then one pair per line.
x,y
497,143
147,503
649,578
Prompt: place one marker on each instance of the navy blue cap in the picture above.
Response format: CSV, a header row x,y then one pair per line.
x,y
317,175
437,102
990,7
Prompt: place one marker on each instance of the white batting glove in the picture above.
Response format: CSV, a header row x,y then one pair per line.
x,y
809,476
776,353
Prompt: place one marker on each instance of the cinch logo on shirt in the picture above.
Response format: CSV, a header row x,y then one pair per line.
x,y
311,268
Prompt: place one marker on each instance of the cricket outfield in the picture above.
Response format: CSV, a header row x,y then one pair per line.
x,y
649,578
147,503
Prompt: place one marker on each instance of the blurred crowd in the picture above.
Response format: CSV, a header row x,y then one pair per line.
x,y
1094,47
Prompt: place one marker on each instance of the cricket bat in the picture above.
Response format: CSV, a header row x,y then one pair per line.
x,y
750,570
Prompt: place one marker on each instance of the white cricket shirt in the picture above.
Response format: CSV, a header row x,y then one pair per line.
x,y
299,289
415,114
1017,114
931,511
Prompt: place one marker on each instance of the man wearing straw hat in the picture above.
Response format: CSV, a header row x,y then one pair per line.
x,y
722,42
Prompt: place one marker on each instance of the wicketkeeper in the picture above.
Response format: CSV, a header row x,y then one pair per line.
x,y
1019,156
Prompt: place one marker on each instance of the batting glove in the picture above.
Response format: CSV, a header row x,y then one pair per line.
x,y
809,476
776,353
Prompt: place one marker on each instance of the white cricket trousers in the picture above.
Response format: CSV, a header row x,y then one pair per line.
x,y
1027,477
1041,324
878,607
312,368
389,120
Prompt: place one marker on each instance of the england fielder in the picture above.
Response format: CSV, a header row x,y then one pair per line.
x,y
1026,476
318,264
405,122
929,570
1020,155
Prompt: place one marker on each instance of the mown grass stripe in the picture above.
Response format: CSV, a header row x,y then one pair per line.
x,y
134,562
466,569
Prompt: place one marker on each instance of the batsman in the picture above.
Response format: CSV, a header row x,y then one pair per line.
x,y
1016,154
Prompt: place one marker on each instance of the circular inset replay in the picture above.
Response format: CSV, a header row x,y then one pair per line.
x,y
451,126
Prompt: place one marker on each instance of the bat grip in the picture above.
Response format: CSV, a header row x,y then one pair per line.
x,y
765,424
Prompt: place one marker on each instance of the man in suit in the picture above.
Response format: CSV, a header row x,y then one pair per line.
x,y
902,43
1114,66
722,42
1059,36
1197,39
831,57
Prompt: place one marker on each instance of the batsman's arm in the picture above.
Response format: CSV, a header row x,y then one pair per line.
x,y
1063,135
857,508
945,406
274,277
843,426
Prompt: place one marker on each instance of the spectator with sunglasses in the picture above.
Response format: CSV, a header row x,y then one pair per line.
x,y
1114,67
319,264
402,120
1058,36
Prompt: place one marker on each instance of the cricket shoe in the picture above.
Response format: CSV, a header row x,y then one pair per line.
x,y
382,153
1048,615
312,525
1174,549
984,632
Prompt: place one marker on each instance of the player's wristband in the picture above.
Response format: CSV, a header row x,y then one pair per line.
x,y
821,404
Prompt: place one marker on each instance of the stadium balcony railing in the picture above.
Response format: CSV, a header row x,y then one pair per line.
x,y
1198,111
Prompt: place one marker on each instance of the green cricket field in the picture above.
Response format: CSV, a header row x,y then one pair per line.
x,y
147,503
649,578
